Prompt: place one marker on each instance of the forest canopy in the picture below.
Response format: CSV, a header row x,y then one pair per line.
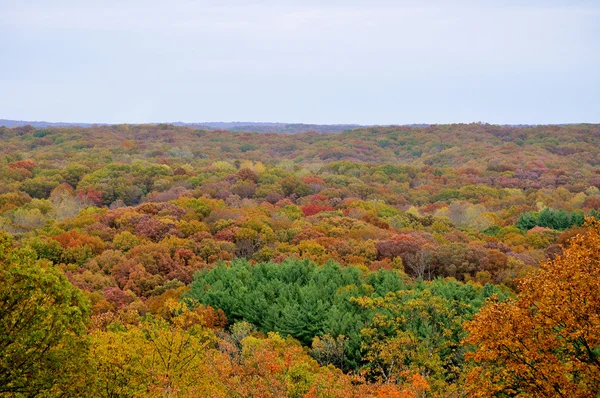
x,y
153,260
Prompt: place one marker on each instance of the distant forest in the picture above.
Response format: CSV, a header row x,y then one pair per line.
x,y
287,128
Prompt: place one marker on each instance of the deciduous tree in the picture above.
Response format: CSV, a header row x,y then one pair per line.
x,y
547,341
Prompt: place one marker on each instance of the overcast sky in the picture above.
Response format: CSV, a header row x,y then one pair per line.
x,y
367,62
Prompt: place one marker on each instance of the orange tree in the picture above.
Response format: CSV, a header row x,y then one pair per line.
x,y
547,341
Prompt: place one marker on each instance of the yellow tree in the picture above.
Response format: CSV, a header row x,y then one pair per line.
x,y
547,341
412,340
151,358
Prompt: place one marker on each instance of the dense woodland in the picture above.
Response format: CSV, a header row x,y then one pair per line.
x,y
160,260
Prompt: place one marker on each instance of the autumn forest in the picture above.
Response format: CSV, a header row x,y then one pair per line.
x,y
147,260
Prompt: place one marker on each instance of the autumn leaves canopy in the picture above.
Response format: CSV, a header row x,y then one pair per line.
x,y
390,262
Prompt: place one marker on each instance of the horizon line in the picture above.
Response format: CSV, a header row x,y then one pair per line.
x,y
243,123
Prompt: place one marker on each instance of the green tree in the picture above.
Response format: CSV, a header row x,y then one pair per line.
x,y
42,323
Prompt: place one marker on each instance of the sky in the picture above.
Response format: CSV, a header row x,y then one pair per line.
x,y
309,61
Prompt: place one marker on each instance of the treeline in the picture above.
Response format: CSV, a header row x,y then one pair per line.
x,y
536,156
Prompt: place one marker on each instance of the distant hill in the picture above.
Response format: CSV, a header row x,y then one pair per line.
x,y
19,123
289,128
258,127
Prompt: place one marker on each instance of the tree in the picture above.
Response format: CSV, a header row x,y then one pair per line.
x,y
39,187
65,203
547,341
313,208
42,323
247,174
244,189
416,335
151,358
328,350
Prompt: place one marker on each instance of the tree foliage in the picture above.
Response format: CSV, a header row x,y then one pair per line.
x,y
42,323
546,342
314,262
